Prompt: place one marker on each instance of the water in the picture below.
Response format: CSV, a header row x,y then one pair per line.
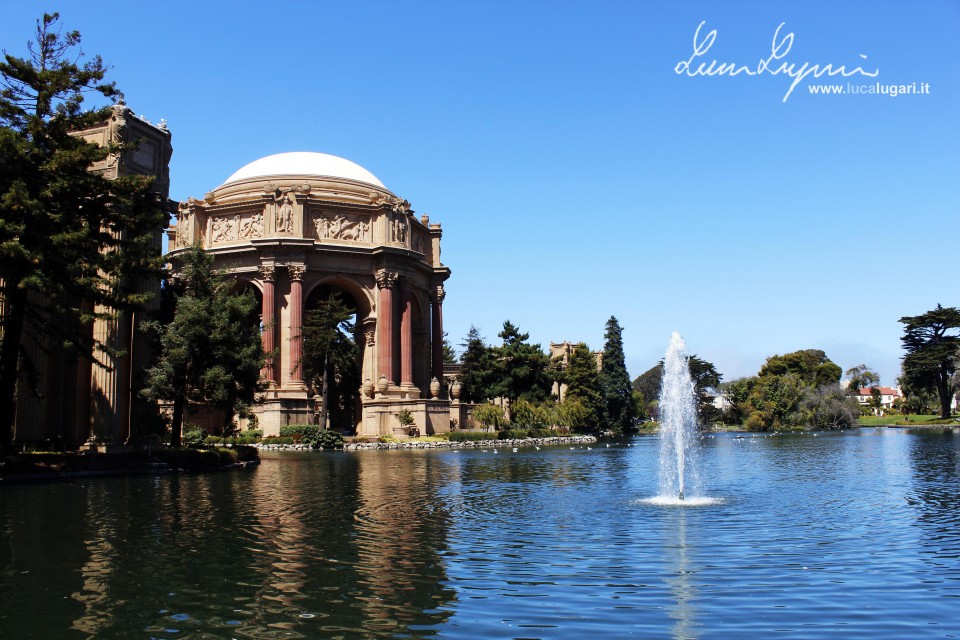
x,y
853,534
678,428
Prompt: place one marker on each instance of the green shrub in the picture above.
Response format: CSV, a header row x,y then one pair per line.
x,y
253,434
513,434
285,441
326,439
302,430
469,436
194,437
210,441
228,456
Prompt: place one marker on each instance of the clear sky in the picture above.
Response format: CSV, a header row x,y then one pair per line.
x,y
576,174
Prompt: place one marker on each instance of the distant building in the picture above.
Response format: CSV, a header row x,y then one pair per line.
x,y
887,396
563,351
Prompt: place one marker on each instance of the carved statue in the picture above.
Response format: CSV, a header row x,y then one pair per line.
x,y
285,214
400,230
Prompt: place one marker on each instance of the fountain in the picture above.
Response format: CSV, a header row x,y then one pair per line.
x,y
678,425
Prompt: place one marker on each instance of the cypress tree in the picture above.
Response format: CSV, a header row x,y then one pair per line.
x,y
619,409
583,384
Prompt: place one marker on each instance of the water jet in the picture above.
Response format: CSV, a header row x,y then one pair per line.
x,y
679,431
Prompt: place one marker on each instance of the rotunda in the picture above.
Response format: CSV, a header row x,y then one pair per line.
x,y
296,226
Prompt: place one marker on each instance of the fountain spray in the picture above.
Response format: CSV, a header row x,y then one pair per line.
x,y
678,422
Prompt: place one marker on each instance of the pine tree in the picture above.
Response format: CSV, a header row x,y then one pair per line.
x,y
619,406
522,367
211,351
477,368
71,241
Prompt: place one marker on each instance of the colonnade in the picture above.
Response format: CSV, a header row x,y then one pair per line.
x,y
388,342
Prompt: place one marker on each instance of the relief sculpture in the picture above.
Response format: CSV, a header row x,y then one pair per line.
x,y
237,227
224,228
340,227
252,226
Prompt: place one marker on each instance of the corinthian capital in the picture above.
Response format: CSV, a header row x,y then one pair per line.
x,y
439,293
296,271
267,272
386,279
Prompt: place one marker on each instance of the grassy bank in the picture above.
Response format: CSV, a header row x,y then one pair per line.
x,y
906,421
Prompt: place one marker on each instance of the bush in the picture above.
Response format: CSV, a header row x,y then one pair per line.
x,y
468,436
299,432
194,437
211,441
513,434
285,441
325,439
253,434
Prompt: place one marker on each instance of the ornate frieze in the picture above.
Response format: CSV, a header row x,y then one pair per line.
x,y
336,226
239,226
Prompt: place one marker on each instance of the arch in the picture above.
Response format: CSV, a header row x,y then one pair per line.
x,y
343,401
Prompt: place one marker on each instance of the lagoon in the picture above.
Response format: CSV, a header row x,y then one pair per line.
x,y
809,535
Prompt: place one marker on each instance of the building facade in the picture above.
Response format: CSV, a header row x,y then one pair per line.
x,y
295,227
96,401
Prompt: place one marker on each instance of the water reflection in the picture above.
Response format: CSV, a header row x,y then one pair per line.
x,y
811,535
681,576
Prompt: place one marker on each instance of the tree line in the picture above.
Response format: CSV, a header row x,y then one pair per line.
x,y
597,394
72,242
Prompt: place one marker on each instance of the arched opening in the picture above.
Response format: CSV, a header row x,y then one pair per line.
x,y
333,355
243,287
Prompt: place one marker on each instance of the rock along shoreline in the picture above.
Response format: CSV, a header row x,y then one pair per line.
x,y
443,444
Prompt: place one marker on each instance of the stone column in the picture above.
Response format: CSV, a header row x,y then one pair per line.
x,y
386,281
406,339
437,326
296,323
268,334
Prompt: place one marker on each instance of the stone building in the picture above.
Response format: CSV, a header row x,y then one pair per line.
x,y
295,227
96,401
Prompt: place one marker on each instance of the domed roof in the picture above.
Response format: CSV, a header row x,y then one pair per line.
x,y
304,163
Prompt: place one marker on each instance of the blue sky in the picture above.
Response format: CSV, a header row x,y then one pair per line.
x,y
575,173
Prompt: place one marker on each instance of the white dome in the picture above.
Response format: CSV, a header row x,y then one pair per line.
x,y
304,163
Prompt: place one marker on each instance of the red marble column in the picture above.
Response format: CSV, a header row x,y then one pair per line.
x,y
437,326
296,323
386,281
406,339
268,335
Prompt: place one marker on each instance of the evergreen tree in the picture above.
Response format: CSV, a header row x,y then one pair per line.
x,y
522,367
619,405
449,353
330,355
210,351
584,385
932,343
72,242
478,368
